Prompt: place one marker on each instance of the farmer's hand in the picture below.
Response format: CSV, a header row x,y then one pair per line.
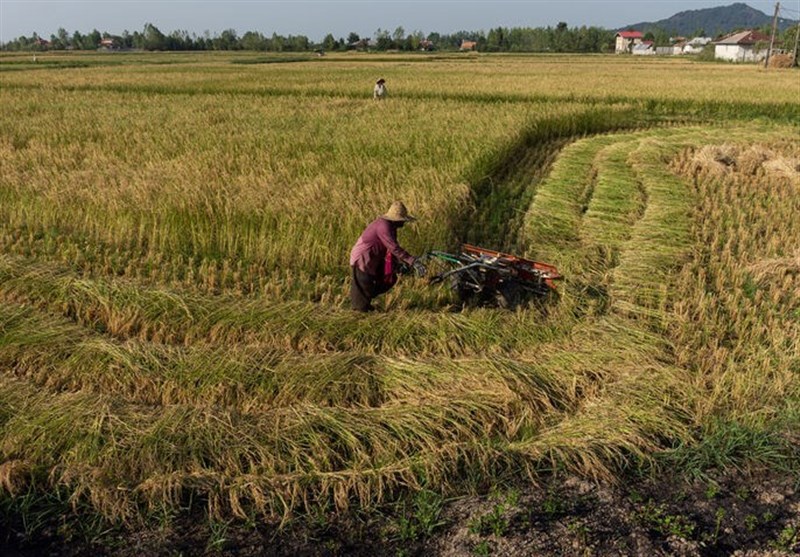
x,y
419,268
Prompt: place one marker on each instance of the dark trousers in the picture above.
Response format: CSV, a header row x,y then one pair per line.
x,y
364,288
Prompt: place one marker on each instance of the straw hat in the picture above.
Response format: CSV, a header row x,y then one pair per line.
x,y
398,213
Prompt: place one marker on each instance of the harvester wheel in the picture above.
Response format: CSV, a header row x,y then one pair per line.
x,y
465,294
510,295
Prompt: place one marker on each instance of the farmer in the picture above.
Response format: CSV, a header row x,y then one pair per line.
x,y
379,92
376,256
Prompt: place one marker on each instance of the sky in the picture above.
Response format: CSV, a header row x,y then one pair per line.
x,y
316,18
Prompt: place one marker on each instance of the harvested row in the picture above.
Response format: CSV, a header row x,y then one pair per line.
x,y
252,379
618,200
118,456
435,418
127,311
552,222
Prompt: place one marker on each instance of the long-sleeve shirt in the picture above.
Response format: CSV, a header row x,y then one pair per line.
x,y
369,253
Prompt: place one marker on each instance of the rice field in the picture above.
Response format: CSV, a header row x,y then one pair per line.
x,y
174,236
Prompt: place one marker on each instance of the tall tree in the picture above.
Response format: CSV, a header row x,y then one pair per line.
x,y
153,39
329,42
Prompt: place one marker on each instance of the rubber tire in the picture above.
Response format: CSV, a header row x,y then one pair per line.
x,y
510,295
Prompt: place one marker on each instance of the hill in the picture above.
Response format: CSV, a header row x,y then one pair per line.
x,y
711,21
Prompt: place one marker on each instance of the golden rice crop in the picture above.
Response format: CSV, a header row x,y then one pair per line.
x,y
174,233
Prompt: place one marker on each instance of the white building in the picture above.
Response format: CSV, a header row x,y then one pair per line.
x,y
696,45
671,50
745,46
644,48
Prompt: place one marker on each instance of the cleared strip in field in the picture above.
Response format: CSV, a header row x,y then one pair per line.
x,y
553,220
618,200
504,182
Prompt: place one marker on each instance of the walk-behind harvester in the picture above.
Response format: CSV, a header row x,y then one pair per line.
x,y
483,276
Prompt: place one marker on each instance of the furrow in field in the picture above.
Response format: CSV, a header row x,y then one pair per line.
x,y
660,240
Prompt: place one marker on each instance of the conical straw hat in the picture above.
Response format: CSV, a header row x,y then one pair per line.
x,y
398,213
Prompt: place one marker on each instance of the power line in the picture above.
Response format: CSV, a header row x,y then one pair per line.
x,y
789,10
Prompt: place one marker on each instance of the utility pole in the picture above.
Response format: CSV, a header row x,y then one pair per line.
x,y
796,41
772,38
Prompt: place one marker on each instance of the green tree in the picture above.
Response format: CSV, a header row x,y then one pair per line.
x,y
253,40
276,43
398,36
299,43
382,39
228,40
415,39
329,42
152,38
77,40
496,40
562,40
60,40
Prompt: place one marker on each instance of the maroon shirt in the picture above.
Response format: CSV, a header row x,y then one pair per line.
x,y
369,253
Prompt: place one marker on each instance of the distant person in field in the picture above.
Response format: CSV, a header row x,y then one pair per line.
x,y
376,257
379,92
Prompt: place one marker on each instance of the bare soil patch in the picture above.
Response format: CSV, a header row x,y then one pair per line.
x,y
752,515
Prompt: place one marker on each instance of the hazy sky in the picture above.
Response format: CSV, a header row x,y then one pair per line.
x,y
316,18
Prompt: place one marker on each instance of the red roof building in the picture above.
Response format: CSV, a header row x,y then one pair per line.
x,y
626,40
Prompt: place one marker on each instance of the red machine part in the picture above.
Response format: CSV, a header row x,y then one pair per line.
x,y
522,266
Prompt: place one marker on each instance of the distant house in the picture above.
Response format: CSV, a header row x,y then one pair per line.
x,y
696,45
674,49
109,43
425,44
679,45
42,43
363,44
644,48
626,40
744,46
468,45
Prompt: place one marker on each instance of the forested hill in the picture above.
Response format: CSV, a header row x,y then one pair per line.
x,y
712,21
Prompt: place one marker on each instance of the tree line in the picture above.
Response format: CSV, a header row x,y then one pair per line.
x,y
560,38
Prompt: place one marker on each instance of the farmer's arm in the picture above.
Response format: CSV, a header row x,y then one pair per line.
x,y
387,235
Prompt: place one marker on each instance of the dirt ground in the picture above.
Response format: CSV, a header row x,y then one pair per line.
x,y
754,515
